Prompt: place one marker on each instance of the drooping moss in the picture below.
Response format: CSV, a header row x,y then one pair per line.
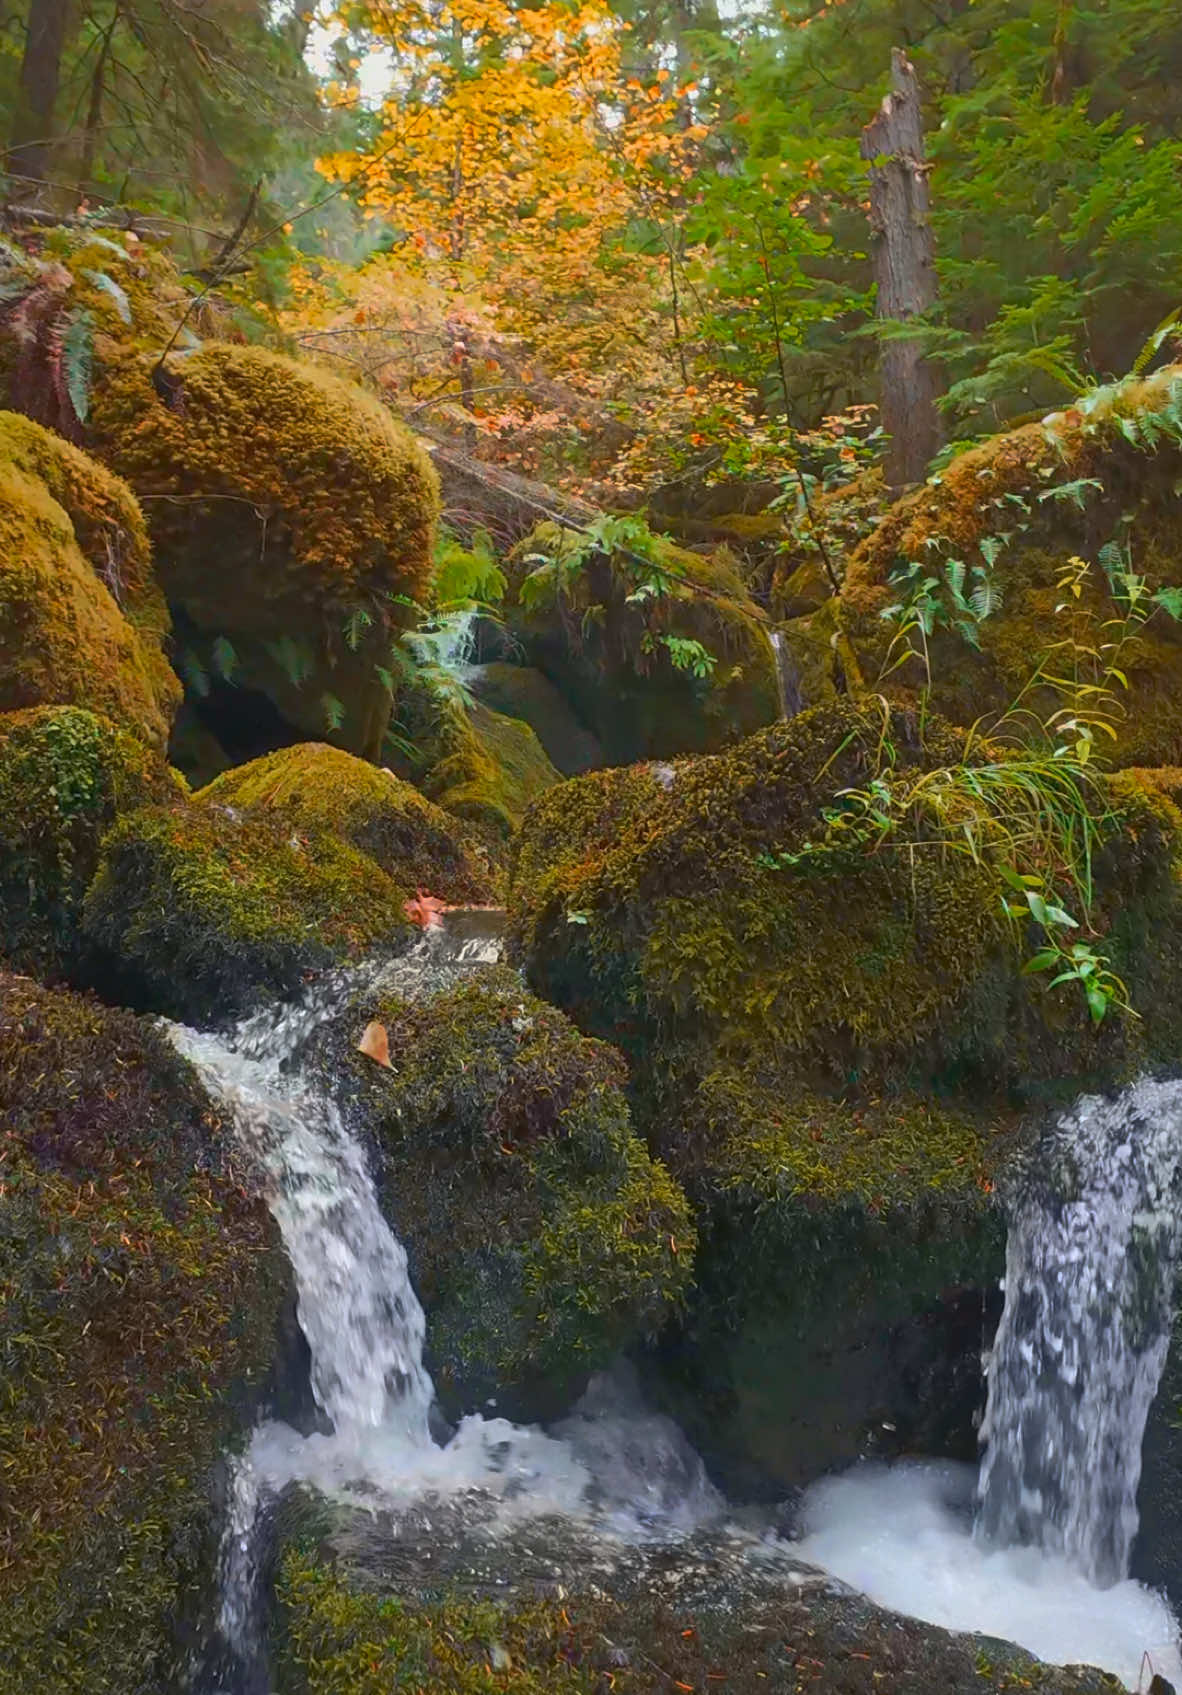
x,y
200,913
316,788
65,775
651,1626
285,505
81,620
139,1289
541,1235
603,652
1022,505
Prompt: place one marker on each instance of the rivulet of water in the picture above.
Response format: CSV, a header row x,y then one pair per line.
x,y
1090,1265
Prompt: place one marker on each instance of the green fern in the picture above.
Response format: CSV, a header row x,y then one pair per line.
x,y
292,658
110,287
224,658
358,621
78,361
334,712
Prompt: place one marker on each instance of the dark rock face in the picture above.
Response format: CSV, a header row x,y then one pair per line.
x,y
1157,1552
562,1612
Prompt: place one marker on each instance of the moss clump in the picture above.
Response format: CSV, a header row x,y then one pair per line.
x,y
283,502
542,1237
519,691
81,621
201,913
662,1624
139,1290
490,769
316,788
65,775
597,647
1022,505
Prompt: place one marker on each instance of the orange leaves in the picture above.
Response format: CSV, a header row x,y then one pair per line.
x,y
375,1044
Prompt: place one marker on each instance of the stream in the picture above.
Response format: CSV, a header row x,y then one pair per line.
x,y
1035,1550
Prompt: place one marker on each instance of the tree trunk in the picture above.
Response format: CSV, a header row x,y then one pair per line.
x,y
32,126
904,269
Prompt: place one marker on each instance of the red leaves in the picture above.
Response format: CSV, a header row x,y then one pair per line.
x,y
425,910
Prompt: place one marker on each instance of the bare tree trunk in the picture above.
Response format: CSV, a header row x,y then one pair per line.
x,y
32,125
904,269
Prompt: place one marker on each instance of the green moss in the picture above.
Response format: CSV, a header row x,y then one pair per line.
x,y
139,1289
316,788
202,912
489,771
1003,492
593,643
654,1632
281,500
65,775
520,691
542,1237
81,621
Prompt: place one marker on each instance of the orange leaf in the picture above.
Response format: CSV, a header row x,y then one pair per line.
x,y
375,1045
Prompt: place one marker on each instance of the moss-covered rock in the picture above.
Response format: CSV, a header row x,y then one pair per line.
x,y
829,1051
139,1291
314,788
81,619
1099,482
199,913
819,543
542,1237
641,1625
289,511
480,766
65,775
600,649
521,692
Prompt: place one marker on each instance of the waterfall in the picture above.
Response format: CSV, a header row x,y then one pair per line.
x,y
1090,1265
787,677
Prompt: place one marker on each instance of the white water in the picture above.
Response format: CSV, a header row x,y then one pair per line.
x,y
1090,1262
903,1536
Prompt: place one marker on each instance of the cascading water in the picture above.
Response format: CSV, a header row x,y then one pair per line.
x,y
1090,1265
1074,1369
365,1328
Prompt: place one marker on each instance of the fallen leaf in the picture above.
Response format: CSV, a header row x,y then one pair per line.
x,y
425,910
375,1045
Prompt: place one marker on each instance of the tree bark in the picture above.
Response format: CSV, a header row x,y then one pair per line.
x,y
31,136
904,269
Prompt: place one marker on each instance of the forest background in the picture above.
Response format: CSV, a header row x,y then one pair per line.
x,y
625,249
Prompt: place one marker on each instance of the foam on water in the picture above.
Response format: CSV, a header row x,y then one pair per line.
x,y
903,1536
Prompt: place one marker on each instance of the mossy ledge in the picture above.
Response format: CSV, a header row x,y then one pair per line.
x,y
316,788
140,1286
542,1236
199,914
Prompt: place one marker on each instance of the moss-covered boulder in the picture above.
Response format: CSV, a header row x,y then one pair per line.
x,y
482,767
65,775
82,621
542,1237
811,561
604,1618
199,913
522,692
314,788
605,648
829,1049
289,512
1098,483
139,1292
